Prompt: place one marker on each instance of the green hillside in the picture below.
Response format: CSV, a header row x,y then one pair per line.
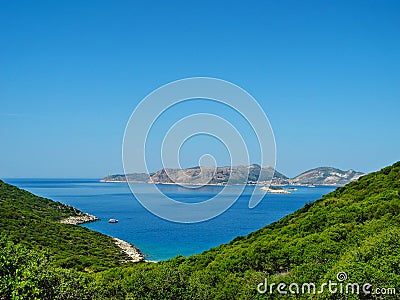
x,y
33,221
355,230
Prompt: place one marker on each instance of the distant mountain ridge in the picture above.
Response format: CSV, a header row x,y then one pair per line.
x,y
134,177
239,175
220,176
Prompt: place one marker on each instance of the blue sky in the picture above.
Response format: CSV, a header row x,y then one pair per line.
x,y
327,74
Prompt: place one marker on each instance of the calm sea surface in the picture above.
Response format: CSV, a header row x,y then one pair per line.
x,y
161,239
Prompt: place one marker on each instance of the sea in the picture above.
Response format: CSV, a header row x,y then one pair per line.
x,y
160,239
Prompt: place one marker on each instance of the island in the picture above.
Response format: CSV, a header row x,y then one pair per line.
x,y
274,190
248,175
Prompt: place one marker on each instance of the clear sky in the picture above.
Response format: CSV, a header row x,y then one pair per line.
x,y
327,74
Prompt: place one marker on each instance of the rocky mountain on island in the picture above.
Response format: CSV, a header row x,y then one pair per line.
x,y
326,176
220,175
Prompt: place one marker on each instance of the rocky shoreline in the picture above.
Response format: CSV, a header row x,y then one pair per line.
x,y
134,253
81,218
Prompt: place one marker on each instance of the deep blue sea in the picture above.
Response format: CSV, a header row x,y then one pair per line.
x,y
160,239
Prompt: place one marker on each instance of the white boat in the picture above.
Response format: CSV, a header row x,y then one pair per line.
x,y
113,221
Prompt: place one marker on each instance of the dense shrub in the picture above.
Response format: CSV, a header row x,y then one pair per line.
x,y
354,229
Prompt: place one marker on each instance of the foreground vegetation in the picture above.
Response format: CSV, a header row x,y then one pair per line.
x,y
33,222
355,229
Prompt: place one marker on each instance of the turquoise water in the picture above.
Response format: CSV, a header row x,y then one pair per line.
x,y
160,239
